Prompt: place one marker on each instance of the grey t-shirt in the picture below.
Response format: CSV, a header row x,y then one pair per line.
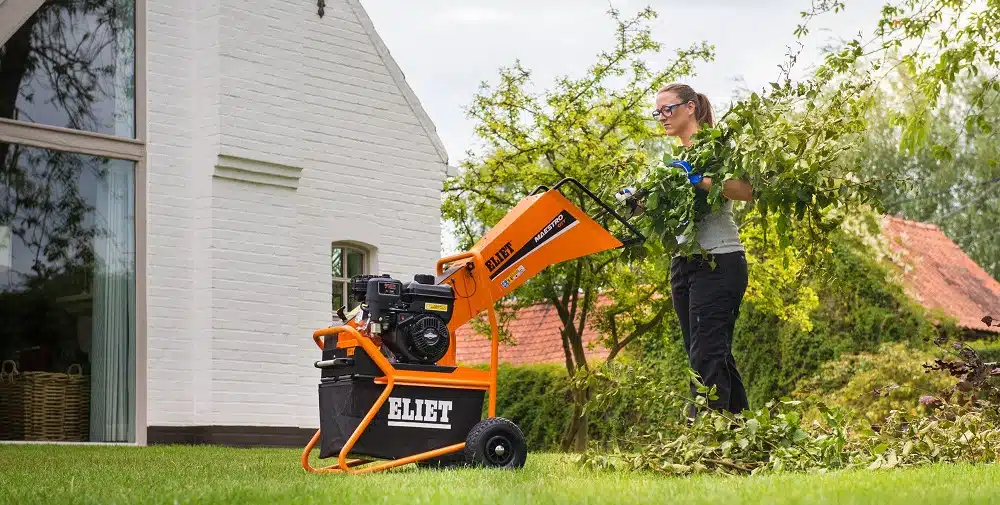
x,y
717,231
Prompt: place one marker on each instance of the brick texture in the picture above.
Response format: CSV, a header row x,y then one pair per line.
x,y
239,272
537,334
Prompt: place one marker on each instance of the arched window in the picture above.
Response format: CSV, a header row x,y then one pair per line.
x,y
346,261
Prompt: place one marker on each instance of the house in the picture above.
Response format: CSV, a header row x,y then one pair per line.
x,y
940,276
196,181
936,273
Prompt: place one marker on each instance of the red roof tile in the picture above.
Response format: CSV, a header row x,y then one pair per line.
x,y
536,333
939,275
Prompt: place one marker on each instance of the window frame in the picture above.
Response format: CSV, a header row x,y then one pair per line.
x,y
14,13
366,268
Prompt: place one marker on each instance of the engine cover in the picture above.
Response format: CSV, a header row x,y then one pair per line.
x,y
422,339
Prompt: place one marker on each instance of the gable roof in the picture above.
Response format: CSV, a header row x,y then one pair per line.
x,y
400,79
939,275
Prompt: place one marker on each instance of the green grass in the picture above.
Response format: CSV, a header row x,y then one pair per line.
x,y
203,474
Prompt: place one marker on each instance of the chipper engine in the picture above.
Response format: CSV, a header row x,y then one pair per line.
x,y
391,392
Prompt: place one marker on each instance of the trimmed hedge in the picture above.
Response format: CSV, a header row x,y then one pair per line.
x,y
860,309
537,399
896,370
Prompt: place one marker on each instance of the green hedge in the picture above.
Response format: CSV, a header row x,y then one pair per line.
x,y
860,309
988,350
897,369
537,399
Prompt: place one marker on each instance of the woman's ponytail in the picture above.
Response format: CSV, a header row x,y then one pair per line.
x,y
703,108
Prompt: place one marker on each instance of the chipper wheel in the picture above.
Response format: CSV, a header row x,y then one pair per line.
x,y
496,442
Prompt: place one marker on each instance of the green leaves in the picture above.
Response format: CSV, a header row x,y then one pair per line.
x,y
594,127
791,142
790,435
775,439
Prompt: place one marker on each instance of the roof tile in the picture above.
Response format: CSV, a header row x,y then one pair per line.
x,y
939,275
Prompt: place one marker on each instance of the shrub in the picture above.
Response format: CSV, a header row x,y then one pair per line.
x,y
873,384
860,309
988,350
537,399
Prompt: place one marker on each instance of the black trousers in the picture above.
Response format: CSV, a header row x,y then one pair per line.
x,y
708,302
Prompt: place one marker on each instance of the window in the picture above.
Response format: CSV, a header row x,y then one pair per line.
x,y
72,64
67,282
73,213
346,261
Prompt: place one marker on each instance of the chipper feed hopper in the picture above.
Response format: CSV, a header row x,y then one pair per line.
x,y
391,391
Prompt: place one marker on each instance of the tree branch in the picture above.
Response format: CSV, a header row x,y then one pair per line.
x,y
639,331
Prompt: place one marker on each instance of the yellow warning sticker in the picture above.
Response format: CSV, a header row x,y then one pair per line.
x,y
439,307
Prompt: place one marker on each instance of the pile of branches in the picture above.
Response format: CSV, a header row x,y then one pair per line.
x,y
961,424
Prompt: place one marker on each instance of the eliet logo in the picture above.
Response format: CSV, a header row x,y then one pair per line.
x,y
419,413
499,256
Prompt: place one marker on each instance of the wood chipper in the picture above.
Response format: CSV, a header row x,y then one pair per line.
x,y
391,391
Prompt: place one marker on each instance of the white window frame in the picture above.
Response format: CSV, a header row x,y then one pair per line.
x,y
13,14
366,268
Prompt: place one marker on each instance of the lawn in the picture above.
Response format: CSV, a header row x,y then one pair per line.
x,y
201,474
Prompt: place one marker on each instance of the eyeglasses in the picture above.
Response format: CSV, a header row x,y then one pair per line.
x,y
669,109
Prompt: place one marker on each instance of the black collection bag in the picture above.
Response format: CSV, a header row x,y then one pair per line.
x,y
412,420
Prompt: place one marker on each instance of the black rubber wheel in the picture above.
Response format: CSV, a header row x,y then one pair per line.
x,y
496,442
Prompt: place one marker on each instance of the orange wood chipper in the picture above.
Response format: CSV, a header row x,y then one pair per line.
x,y
391,391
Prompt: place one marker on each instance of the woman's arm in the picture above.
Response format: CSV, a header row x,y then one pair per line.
x,y
733,189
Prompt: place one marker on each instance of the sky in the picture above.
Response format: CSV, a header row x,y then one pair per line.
x,y
446,48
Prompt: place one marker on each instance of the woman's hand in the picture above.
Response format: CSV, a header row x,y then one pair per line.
x,y
733,189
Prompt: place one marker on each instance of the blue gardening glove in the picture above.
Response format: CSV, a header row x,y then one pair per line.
x,y
628,197
693,178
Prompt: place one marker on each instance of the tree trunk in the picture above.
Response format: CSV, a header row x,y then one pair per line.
x,y
577,434
583,426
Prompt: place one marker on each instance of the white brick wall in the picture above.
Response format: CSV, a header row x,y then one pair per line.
x,y
239,272
172,335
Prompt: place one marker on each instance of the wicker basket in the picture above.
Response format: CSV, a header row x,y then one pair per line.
x,y
56,406
11,402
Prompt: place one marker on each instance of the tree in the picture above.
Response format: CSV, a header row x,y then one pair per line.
x,y
937,118
591,129
66,48
956,188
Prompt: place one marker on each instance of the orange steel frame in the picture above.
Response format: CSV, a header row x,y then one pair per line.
x,y
465,378
548,228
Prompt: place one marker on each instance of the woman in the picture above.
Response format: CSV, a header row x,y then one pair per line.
x,y
707,300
